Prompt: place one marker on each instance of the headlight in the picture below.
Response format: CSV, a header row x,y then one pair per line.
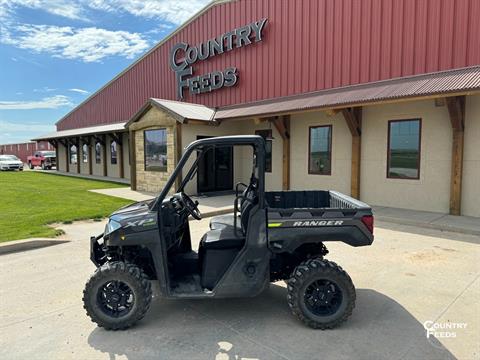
x,y
112,225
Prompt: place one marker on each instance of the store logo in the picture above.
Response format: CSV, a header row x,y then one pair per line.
x,y
437,330
183,56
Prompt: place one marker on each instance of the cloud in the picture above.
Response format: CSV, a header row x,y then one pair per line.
x,y
88,44
22,131
68,9
80,91
53,102
44,89
173,11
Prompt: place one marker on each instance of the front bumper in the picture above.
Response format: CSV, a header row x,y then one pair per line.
x,y
11,167
97,252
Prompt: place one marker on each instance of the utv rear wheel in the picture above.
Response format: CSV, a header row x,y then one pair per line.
x,y
117,295
321,294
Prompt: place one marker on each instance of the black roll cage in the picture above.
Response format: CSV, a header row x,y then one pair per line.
x,y
203,145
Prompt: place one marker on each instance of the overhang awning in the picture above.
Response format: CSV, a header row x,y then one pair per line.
x,y
101,129
445,83
180,111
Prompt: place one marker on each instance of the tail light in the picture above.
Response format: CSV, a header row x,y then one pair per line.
x,y
368,222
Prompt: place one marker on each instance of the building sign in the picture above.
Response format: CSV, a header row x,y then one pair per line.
x,y
183,56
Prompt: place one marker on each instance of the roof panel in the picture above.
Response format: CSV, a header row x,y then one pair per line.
x,y
83,131
186,110
452,81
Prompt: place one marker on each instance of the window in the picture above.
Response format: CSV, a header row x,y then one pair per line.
x,y
98,153
155,143
403,160
267,134
73,154
113,152
320,150
85,153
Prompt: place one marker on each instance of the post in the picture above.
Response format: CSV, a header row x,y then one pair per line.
x,y
456,111
353,117
77,144
283,126
89,148
67,157
104,156
121,171
178,150
133,161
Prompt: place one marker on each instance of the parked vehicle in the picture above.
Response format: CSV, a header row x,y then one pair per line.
x,y
271,236
10,162
45,159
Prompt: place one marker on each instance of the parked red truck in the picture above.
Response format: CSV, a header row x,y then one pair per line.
x,y
45,159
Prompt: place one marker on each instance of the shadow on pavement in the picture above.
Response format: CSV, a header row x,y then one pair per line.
x,y
263,328
29,245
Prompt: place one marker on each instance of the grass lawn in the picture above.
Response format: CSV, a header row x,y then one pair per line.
x,y
29,201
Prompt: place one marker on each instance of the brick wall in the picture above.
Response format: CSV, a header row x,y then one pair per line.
x,y
153,181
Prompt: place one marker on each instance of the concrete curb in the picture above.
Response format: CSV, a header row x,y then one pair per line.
x,y
27,244
426,225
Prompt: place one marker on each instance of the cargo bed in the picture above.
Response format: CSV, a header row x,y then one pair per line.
x,y
295,217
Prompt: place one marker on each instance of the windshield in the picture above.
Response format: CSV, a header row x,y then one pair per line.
x,y
8,157
48,153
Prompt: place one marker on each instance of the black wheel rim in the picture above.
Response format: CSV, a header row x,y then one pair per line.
x,y
115,298
323,297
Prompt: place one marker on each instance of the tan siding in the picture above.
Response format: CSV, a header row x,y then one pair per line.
x,y
432,191
62,155
471,159
341,153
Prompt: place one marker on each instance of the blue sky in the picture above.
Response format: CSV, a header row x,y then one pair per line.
x,y
55,53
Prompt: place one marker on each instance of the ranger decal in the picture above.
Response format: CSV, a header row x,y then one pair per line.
x,y
318,223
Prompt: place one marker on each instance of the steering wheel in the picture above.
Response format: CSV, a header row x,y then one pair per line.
x,y
191,206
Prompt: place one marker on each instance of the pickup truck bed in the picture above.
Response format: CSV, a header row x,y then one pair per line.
x,y
296,217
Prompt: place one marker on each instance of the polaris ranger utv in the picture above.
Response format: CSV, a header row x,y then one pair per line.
x,y
271,236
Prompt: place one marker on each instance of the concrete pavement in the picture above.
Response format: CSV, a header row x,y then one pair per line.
x,y
408,276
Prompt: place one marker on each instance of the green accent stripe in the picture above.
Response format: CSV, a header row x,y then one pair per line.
x,y
274,225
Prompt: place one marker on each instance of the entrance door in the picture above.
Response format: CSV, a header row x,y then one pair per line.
x,y
215,170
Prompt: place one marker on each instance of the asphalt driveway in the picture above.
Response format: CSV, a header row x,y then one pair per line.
x,y
409,276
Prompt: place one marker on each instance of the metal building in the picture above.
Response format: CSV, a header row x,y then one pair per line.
x,y
379,99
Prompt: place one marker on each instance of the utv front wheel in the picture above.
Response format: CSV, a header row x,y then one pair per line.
x,y
321,294
117,295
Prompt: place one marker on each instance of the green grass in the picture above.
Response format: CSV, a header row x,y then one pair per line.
x,y
404,159
30,201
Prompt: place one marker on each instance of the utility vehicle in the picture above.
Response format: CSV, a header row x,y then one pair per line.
x,y
270,236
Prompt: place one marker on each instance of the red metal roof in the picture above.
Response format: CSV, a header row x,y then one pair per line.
x,y
453,81
308,45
